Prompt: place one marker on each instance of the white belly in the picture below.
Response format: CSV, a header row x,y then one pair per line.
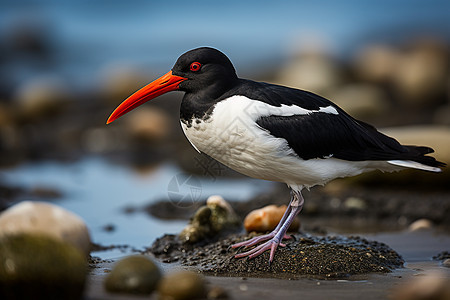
x,y
232,136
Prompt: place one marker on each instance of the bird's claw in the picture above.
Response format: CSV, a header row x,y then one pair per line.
x,y
271,245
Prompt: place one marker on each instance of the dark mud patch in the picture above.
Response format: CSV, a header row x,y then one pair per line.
x,y
124,248
304,255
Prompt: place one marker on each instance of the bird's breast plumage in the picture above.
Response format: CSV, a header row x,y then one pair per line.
x,y
232,136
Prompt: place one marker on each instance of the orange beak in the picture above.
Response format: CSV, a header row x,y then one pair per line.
x,y
162,85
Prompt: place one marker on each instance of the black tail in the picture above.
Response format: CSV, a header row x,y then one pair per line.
x,y
417,154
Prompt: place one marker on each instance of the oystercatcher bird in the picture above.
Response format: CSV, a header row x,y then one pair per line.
x,y
273,132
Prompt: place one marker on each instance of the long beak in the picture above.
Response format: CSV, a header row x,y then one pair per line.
x,y
162,85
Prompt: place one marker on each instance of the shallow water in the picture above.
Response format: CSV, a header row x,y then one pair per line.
x,y
99,192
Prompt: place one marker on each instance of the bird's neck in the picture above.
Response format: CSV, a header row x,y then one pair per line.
x,y
199,105
195,106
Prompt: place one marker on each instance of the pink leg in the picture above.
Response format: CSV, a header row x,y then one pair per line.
x,y
265,237
274,238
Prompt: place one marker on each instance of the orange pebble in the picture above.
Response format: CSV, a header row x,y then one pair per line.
x,y
267,218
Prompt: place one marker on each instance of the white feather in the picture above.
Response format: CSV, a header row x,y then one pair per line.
x,y
414,165
232,136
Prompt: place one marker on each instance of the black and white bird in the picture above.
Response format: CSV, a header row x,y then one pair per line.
x,y
273,132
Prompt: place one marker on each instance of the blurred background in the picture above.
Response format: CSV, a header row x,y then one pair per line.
x,y
65,65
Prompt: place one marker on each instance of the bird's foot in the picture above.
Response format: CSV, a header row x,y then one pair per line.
x,y
273,239
271,245
258,239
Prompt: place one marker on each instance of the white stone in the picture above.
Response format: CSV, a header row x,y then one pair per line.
x,y
421,224
44,218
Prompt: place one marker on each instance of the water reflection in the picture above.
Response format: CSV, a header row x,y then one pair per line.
x,y
99,192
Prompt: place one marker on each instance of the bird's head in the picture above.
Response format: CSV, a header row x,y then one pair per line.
x,y
199,71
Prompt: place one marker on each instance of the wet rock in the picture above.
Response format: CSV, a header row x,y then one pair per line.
x,y
11,144
199,227
355,203
217,292
362,101
421,224
376,63
167,210
6,115
119,82
442,256
40,267
434,285
183,285
45,192
101,140
46,219
322,256
148,123
267,218
446,263
133,275
29,36
42,97
210,220
8,194
222,214
311,70
420,76
109,228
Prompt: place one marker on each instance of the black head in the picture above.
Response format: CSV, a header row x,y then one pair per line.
x,y
208,71
203,73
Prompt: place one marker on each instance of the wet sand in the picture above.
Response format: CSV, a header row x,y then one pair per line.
x,y
417,249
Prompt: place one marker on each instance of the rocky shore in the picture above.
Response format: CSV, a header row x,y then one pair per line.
x,y
401,88
304,255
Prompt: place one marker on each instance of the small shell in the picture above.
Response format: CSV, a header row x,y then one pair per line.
x,y
216,200
267,218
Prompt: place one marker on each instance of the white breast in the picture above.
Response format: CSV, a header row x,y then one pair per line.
x,y
232,136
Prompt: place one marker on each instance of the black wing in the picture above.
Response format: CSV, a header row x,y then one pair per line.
x,y
320,134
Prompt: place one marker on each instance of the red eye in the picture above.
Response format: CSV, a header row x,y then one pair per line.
x,y
195,66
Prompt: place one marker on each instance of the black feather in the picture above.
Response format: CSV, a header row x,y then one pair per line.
x,y
320,134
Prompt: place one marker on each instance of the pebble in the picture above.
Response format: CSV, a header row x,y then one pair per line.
x,y
209,220
120,81
133,275
311,70
39,218
267,218
362,101
183,285
376,63
420,76
354,203
217,200
42,97
421,224
434,285
217,292
198,228
148,123
40,267
6,114
222,214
